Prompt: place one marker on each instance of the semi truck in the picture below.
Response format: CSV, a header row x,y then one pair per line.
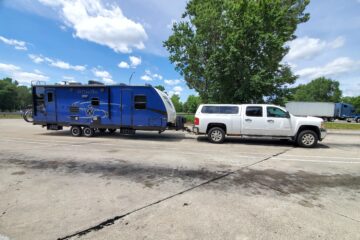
x,y
327,110
94,106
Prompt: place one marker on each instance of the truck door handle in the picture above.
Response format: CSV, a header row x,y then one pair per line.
x,y
270,121
248,120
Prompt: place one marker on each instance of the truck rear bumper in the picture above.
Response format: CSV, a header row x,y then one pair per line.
x,y
195,130
323,133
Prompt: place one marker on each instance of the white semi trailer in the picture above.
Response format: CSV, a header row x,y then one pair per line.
x,y
325,110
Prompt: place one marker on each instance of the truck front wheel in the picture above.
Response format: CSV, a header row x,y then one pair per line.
x,y
216,135
307,139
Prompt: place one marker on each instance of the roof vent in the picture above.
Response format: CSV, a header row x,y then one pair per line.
x,y
93,82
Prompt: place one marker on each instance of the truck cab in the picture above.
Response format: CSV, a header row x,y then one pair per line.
x,y
256,120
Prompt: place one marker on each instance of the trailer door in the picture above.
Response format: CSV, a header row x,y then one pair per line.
x,y
50,105
126,108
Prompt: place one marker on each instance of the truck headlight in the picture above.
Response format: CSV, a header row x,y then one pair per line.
x,y
322,125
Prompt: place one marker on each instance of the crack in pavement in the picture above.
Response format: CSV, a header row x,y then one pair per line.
x,y
112,220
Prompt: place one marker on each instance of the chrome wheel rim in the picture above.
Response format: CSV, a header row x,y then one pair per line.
x,y
216,135
308,139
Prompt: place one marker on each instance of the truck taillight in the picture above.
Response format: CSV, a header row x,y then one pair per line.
x,y
196,121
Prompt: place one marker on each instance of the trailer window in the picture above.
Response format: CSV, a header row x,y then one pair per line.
x,y
229,110
140,102
254,111
50,97
95,101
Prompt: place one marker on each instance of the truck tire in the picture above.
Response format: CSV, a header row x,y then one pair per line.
x,y
216,135
88,132
76,131
307,139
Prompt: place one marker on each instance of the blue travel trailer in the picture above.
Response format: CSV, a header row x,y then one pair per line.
x,y
92,107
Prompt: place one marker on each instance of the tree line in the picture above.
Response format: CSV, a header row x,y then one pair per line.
x,y
14,97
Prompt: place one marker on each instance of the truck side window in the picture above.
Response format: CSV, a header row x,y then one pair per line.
x,y
229,110
210,109
95,101
254,111
275,112
140,102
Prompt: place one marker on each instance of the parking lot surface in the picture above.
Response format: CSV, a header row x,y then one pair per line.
x,y
175,185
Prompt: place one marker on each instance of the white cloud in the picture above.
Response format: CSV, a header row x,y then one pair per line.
x,y
158,76
337,66
176,90
8,67
307,48
146,78
134,61
105,25
18,45
123,65
149,76
56,63
68,78
22,77
104,75
36,59
172,82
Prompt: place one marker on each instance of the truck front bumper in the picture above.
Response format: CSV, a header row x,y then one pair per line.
x,y
323,133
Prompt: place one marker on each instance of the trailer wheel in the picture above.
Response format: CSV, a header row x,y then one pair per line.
x,y
112,130
88,132
76,131
216,135
307,139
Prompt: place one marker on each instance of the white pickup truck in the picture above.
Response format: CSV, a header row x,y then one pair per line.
x,y
256,120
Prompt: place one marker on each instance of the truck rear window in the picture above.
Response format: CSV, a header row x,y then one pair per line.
x,y
220,109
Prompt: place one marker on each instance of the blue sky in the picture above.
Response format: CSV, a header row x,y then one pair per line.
x,y
108,40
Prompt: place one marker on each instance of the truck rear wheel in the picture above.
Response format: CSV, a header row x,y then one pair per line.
x,y
307,139
76,131
88,132
216,135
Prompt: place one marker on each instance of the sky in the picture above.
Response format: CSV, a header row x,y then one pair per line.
x,y
110,40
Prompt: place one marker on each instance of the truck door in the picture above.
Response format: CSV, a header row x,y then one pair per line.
x,y
126,108
50,105
253,121
277,122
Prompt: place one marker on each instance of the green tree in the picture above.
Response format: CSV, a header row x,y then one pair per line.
x,y
177,104
318,90
13,96
231,51
160,87
191,104
8,95
355,101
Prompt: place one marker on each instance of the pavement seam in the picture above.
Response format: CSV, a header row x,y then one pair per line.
x,y
112,221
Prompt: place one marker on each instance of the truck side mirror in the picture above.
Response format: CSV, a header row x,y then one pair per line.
x,y
287,115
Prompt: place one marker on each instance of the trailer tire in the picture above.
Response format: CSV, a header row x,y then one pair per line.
x,y
88,132
76,131
307,139
216,135
112,130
